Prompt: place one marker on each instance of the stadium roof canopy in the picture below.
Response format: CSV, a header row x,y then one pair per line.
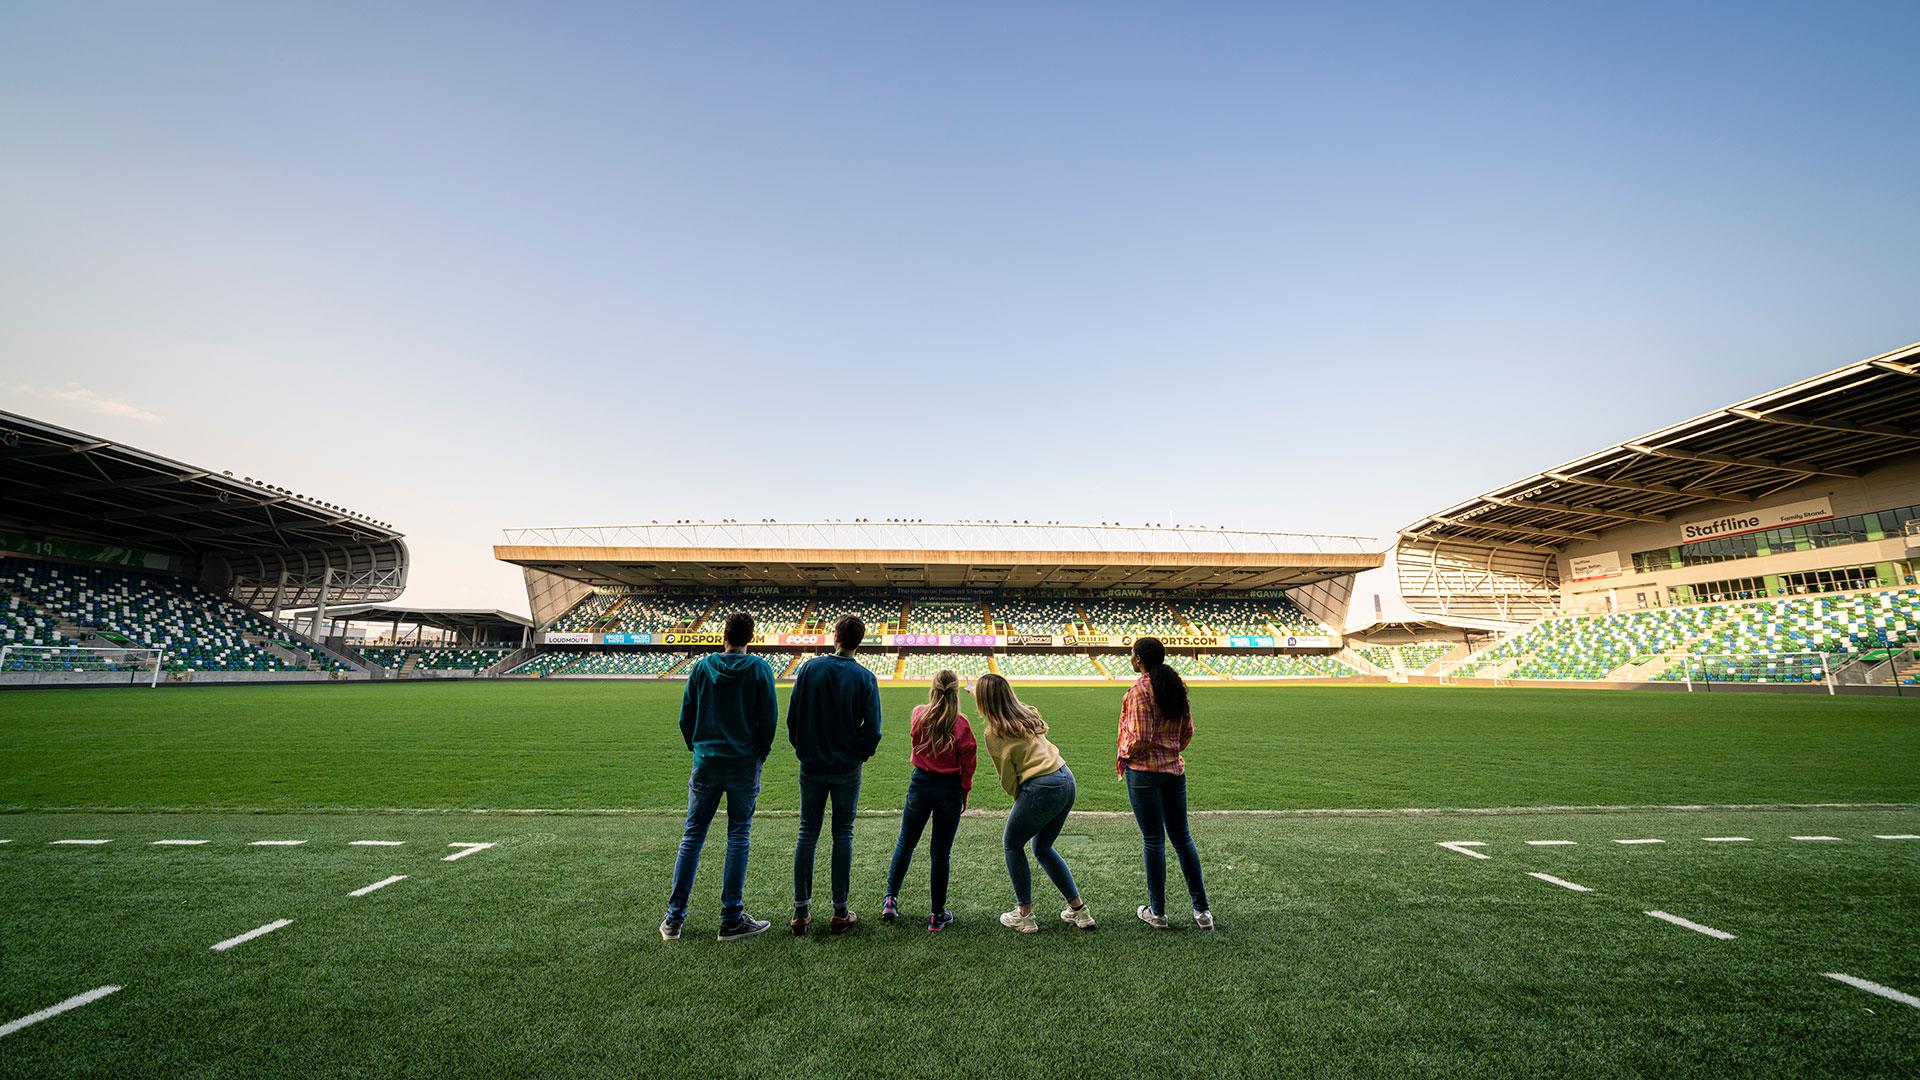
x,y
1015,555
1836,424
471,624
277,548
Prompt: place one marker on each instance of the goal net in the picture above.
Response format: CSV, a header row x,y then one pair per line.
x,y
1772,669
141,667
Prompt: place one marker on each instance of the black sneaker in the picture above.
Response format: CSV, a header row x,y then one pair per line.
x,y
889,910
939,921
745,926
670,929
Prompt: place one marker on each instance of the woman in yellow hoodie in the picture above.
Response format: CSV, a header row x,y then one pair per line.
x,y
1032,771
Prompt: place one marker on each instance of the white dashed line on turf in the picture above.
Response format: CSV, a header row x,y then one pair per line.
x,y
88,842
257,931
375,843
178,843
1562,882
471,848
1728,839
1887,992
1697,928
1551,843
1876,836
1649,840
381,884
73,1002
1465,847
277,843
1813,838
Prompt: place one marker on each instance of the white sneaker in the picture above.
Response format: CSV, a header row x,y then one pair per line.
x,y
1082,918
1013,920
1203,919
1158,922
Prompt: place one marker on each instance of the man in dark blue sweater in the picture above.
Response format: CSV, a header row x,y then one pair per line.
x,y
728,716
833,722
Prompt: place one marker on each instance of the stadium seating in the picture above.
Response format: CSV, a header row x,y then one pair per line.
x,y
771,614
21,623
631,613
1024,616
1248,665
1134,617
1047,665
600,662
922,664
877,612
946,617
1417,656
432,659
198,630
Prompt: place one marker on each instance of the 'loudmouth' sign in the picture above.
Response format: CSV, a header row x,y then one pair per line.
x,y
1742,522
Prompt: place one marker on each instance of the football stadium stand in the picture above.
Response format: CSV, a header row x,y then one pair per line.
x,y
601,662
1413,658
1277,666
1048,665
946,617
1133,617
106,549
407,659
923,664
1024,615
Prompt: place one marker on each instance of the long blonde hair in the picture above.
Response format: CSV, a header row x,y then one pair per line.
x,y
1006,715
943,712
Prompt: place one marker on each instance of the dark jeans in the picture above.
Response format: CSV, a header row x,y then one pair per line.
x,y
1039,813
929,795
844,790
739,781
1160,807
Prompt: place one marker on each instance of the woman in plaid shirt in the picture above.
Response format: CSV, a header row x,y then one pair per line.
x,y
1155,726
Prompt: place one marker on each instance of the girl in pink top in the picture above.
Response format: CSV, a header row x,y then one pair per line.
x,y
943,757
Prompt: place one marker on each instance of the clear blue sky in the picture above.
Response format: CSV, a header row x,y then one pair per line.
x,y
1327,267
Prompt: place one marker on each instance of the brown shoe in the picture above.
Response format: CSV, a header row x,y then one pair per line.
x,y
840,924
798,927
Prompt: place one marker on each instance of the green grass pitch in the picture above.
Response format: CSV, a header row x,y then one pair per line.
x,y
1348,944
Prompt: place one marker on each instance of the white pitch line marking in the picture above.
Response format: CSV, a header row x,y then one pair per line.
x,y
1887,992
1697,928
1876,836
83,841
1550,843
1465,847
278,843
250,935
471,848
1728,839
177,843
73,1002
381,884
375,843
1813,838
1563,883
1649,840
6,841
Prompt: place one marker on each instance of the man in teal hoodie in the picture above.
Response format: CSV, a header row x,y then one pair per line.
x,y
728,717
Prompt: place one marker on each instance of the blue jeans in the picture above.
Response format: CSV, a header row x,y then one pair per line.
x,y
1039,813
929,795
739,781
844,790
1160,808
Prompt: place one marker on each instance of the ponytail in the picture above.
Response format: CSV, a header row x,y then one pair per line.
x,y
1169,689
943,709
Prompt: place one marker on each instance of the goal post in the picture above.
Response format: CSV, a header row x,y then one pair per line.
x,y
141,667
1698,670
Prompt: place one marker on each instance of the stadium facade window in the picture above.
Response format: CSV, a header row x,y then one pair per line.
x,y
1854,529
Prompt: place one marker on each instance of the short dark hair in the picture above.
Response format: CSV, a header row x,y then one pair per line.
x,y
850,631
739,628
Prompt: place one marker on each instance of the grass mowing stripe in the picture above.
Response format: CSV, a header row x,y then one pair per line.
x,y
1698,928
223,946
1562,882
1870,987
73,1002
381,884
